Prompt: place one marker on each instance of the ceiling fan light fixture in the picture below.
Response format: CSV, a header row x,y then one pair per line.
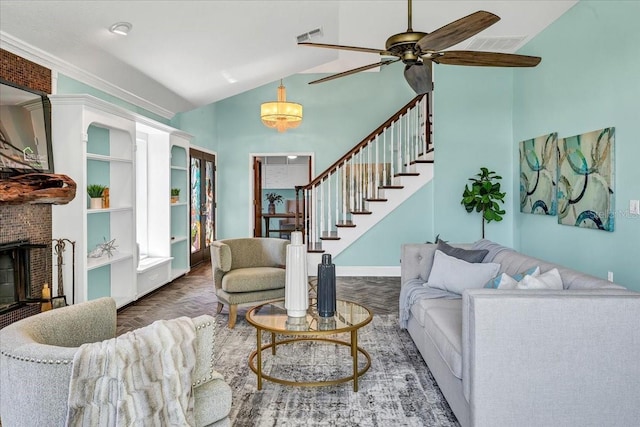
x,y
121,28
280,114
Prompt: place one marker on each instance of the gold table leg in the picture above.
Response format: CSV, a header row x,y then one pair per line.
x,y
354,355
259,350
273,342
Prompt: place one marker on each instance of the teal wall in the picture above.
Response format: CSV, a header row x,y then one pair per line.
x,y
589,79
472,129
337,115
67,85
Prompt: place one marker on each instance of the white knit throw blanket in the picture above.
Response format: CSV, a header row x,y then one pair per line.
x,y
142,378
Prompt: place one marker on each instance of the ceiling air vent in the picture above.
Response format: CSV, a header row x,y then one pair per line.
x,y
496,44
305,37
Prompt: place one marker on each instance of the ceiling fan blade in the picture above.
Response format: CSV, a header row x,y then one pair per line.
x,y
457,31
418,76
355,48
485,59
355,70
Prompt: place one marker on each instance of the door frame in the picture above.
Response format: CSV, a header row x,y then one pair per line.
x,y
252,156
215,191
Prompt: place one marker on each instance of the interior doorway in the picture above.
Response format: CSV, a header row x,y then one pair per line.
x,y
277,173
202,184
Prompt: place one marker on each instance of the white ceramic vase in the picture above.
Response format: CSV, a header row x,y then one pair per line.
x,y
296,288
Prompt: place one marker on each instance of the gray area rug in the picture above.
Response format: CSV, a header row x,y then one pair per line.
x,y
398,389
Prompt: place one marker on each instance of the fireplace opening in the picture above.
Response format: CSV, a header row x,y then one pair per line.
x,y
15,276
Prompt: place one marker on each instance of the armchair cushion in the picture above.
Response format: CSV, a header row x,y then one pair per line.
x,y
253,279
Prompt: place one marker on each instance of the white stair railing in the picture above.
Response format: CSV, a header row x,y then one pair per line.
x,y
343,191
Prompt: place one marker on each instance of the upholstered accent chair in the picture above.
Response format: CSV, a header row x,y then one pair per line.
x,y
248,271
36,360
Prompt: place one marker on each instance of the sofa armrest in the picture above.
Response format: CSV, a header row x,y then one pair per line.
x,y
416,260
551,357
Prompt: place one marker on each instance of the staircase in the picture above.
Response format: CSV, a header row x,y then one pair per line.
x,y
366,184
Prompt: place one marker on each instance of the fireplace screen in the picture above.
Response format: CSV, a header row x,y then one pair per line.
x,y
15,278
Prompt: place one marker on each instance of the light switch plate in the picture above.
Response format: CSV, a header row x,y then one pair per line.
x,y
634,207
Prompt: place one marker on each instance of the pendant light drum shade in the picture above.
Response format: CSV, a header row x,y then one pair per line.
x,y
280,114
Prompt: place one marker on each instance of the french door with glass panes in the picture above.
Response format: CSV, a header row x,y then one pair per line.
x,y
202,186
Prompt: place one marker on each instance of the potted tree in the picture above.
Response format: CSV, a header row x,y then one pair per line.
x,y
484,196
273,198
95,194
175,195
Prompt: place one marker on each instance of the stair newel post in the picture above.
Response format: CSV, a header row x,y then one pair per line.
x,y
336,174
369,172
384,156
328,207
392,159
322,207
345,197
376,143
416,130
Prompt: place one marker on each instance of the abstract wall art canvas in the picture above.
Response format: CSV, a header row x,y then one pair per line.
x,y
586,180
538,170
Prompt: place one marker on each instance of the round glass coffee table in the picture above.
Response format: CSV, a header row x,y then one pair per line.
x,y
272,317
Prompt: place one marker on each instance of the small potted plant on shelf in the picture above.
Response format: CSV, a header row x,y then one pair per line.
x,y
273,198
95,194
175,195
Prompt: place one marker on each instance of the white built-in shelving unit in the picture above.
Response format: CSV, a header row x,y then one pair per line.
x,y
96,142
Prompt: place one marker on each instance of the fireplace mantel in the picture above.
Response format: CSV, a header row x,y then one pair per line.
x,y
35,188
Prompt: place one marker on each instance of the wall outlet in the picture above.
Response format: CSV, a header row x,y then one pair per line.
x,y
634,207
610,276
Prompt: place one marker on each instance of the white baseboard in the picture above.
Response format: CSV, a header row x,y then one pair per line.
x,y
368,271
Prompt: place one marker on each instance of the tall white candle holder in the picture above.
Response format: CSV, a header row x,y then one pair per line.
x,y
296,288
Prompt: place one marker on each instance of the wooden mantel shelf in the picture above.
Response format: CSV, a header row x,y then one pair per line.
x,y
35,188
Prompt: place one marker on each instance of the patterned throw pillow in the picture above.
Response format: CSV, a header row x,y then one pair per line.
x,y
504,281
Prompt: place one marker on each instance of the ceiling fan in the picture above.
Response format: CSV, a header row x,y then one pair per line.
x,y
418,50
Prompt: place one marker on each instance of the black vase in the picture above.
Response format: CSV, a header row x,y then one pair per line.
x,y
326,287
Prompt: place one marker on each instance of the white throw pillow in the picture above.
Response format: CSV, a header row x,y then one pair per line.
x,y
508,282
455,275
549,280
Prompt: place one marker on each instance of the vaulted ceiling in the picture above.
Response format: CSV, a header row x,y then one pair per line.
x,y
184,54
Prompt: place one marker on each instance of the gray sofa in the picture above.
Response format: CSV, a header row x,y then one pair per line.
x,y
36,361
530,357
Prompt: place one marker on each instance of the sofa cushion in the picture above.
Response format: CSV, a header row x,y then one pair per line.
x,y
455,275
469,255
442,322
253,279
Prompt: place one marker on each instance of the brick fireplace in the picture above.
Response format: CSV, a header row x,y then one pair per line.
x,y
29,222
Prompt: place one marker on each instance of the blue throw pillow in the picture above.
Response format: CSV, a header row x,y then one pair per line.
x,y
493,283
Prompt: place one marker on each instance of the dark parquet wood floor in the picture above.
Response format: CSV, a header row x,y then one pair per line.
x,y
193,295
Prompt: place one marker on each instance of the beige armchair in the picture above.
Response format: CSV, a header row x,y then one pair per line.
x,y
37,354
248,271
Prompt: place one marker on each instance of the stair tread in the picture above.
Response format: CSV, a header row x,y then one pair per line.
x,y
329,238
421,161
361,212
407,174
346,225
376,200
392,187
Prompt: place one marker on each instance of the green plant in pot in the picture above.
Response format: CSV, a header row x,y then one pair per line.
x,y
484,196
95,194
175,195
273,198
